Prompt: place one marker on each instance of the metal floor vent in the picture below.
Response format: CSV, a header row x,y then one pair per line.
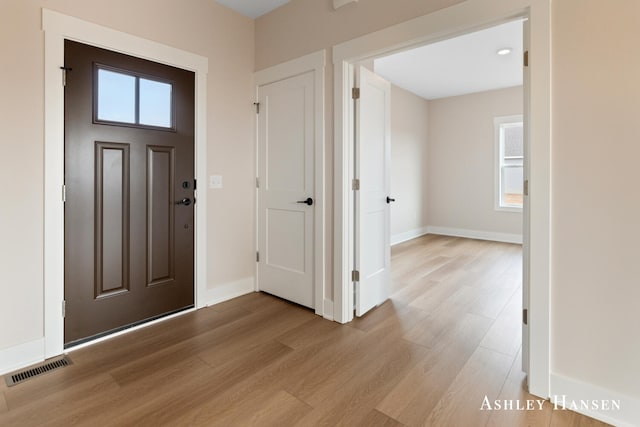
x,y
22,376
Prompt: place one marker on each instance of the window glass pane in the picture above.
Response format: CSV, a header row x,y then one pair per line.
x,y
116,97
512,183
511,164
155,103
513,141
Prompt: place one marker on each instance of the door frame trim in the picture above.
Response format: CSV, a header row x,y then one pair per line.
x,y
312,62
458,19
57,27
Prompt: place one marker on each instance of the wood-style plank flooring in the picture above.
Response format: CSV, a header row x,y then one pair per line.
x,y
449,335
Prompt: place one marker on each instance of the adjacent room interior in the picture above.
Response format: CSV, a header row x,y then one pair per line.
x,y
457,157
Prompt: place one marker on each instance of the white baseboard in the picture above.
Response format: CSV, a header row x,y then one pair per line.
x,y
20,356
408,235
570,390
229,291
476,234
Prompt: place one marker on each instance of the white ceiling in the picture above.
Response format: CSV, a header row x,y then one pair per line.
x,y
458,66
253,8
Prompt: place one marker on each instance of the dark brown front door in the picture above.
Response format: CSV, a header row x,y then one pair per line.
x,y
129,181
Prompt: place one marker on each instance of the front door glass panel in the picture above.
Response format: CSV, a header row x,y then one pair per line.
x,y
125,98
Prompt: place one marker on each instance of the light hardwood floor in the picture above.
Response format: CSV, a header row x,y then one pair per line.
x,y
449,336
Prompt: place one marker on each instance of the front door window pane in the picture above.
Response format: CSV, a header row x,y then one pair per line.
x,y
116,97
155,103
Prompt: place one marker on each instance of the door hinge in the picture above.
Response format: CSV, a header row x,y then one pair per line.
x,y
64,308
355,93
525,316
195,184
257,182
64,74
525,187
257,104
526,58
355,184
355,276
64,193
257,256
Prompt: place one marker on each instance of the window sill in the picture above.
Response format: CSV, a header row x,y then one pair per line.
x,y
514,209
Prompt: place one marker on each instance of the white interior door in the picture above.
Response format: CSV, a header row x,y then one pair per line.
x,y
525,207
372,213
285,183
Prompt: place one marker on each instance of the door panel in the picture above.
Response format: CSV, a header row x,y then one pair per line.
x,y
286,176
112,218
160,215
373,157
128,245
285,239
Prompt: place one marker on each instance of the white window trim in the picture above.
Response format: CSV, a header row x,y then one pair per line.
x,y
497,123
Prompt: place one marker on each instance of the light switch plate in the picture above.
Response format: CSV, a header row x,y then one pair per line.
x,y
215,181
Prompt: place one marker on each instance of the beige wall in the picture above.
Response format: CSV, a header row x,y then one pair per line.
x,y
304,26
409,133
596,208
205,28
462,161
442,162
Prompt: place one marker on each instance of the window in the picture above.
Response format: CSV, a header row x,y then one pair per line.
x,y
510,163
132,100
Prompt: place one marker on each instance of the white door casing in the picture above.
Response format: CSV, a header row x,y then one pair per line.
x,y
526,217
372,209
58,27
286,179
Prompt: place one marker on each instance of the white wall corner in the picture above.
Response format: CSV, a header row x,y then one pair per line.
x,y
20,356
339,3
328,309
408,235
476,234
227,291
581,397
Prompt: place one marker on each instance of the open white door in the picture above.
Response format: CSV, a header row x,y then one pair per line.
x,y
525,206
286,187
372,169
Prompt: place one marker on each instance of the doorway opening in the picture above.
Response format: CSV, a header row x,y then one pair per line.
x,y
351,53
458,156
